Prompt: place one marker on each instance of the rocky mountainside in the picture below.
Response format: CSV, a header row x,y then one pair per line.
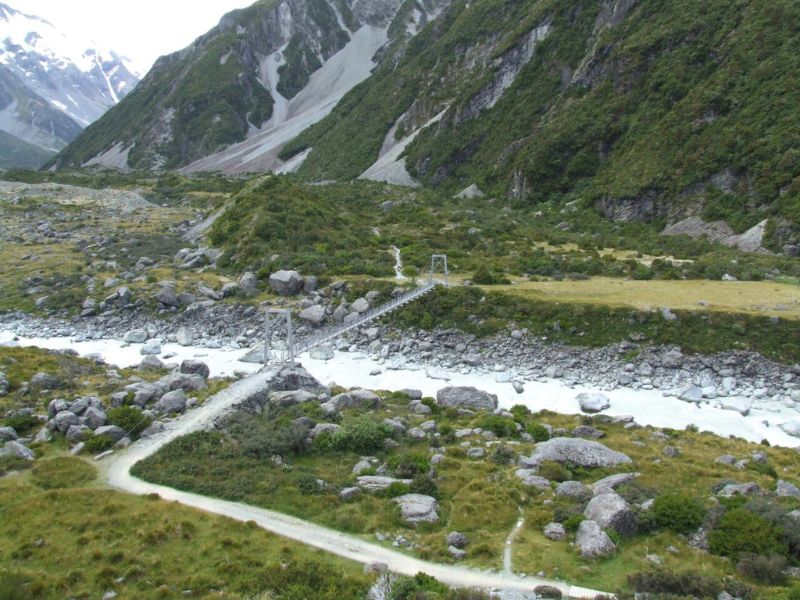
x,y
646,111
233,98
50,86
641,111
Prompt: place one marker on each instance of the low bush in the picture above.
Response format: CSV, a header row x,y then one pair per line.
x,y
572,523
500,426
130,419
794,593
764,569
396,489
308,484
361,436
686,584
13,463
520,412
762,468
21,422
677,512
62,472
422,484
98,443
409,465
553,471
741,532
538,432
503,455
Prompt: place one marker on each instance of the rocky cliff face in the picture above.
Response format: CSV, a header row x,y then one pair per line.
x,y
249,77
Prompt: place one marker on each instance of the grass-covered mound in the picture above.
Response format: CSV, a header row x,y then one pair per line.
x,y
267,461
80,543
62,472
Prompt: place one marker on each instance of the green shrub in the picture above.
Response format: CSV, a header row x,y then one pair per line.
x,y
362,435
573,522
409,464
501,426
764,569
396,489
740,532
553,471
485,276
520,412
538,432
422,484
762,468
98,443
503,455
62,472
21,422
677,512
686,584
794,593
308,484
129,419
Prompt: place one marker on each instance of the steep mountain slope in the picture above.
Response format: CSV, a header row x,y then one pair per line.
x,y
50,86
652,110
237,94
17,153
29,117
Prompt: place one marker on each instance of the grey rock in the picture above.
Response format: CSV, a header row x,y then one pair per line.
x,y
78,433
183,381
4,384
230,289
587,433
791,428
349,493
172,402
321,428
8,434
195,367
352,399
154,429
582,453
593,402
555,532
457,539
726,459
611,510
476,453
136,336
322,353
151,362
94,417
691,394
415,433
418,508
64,420
45,381
571,489
150,347
14,448
286,283
466,397
184,336
361,305
284,399
314,315
787,490
457,553
530,479
741,489
671,451
248,284
375,567
114,432
167,296
378,483
365,464
592,541
612,482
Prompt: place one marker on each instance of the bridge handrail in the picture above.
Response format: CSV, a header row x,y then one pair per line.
x,y
330,333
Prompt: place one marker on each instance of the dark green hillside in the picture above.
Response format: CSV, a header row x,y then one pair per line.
x,y
665,110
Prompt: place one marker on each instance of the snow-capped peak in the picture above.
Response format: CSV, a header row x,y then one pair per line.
x,y
74,76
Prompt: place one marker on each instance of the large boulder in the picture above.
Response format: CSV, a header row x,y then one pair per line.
x,y
167,296
45,381
296,378
739,489
172,402
136,336
361,305
581,453
792,428
286,283
571,489
611,510
466,397
555,532
195,367
592,541
314,315
530,479
64,420
8,434
94,417
593,402
352,399
151,347
248,284
16,449
418,508
113,431
291,398
787,490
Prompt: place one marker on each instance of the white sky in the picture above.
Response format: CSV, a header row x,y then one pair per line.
x,y
142,30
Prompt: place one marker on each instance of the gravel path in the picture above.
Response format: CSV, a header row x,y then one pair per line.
x,y
117,471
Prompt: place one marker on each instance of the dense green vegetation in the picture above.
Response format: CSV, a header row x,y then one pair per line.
x,y
262,460
81,543
672,105
486,312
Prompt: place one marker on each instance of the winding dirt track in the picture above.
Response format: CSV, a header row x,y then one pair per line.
x,y
117,471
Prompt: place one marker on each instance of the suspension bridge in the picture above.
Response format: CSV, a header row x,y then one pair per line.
x,y
276,320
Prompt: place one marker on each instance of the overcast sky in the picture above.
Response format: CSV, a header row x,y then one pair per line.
x,y
142,30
